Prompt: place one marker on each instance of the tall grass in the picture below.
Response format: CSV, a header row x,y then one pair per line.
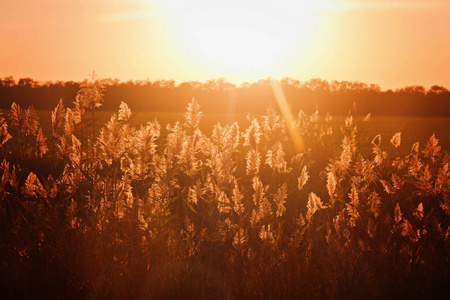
x,y
124,213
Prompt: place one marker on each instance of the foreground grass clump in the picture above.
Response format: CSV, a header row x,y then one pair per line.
x,y
239,214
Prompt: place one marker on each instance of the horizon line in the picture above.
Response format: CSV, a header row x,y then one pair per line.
x,y
237,85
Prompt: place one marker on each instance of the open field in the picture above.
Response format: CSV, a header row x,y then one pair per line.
x,y
231,213
413,129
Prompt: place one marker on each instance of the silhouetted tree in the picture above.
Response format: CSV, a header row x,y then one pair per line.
x,y
218,95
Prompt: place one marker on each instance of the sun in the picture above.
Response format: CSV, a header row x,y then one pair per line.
x,y
243,40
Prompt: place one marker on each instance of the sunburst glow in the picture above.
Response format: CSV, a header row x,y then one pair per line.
x,y
244,39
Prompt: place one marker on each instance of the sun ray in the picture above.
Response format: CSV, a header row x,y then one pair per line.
x,y
294,134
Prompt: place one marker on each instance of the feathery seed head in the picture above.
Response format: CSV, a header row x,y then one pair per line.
x,y
193,114
253,159
252,135
303,178
396,139
398,214
124,112
431,148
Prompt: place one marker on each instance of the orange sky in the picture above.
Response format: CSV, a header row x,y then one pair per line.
x,y
390,43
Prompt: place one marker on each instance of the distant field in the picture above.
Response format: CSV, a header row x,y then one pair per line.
x,y
412,129
164,118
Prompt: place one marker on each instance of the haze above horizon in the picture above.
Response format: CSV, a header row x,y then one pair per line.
x,y
389,43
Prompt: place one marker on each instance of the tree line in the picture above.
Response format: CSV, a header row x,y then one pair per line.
x,y
219,95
